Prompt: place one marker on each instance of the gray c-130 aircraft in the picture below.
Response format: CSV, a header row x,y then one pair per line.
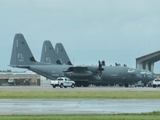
x,y
140,74
22,57
111,78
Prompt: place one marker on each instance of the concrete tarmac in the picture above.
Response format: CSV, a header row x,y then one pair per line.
x,y
77,106
108,88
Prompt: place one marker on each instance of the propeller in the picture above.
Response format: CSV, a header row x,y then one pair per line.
x,y
116,64
125,65
100,69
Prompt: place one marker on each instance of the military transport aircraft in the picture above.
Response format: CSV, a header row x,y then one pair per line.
x,y
137,74
22,57
140,74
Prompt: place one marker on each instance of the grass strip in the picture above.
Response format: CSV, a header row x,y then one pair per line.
x,y
33,94
143,116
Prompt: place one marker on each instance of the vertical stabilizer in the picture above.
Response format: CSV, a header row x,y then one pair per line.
x,y
48,54
21,53
62,54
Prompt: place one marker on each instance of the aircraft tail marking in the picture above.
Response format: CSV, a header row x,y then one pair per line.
x,y
21,53
48,54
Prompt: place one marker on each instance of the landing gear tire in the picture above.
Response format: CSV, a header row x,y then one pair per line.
x,y
154,86
78,84
85,84
98,84
53,86
126,85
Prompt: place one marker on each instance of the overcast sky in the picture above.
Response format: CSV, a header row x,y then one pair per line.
x,y
90,30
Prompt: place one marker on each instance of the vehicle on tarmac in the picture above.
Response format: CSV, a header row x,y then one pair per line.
x,y
155,82
11,81
62,82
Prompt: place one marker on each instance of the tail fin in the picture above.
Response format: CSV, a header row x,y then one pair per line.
x,y
48,54
21,53
62,54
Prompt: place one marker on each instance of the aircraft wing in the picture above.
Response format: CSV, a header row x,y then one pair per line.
x,y
77,71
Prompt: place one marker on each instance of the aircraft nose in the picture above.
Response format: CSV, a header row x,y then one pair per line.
x,y
153,77
139,77
150,77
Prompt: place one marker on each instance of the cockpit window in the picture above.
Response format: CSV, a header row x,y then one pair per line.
x,y
145,72
148,72
142,72
131,70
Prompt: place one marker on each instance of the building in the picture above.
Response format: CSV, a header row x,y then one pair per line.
x,y
147,61
19,78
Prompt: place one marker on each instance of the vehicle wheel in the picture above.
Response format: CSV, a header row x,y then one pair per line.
x,y
61,86
65,86
53,86
72,86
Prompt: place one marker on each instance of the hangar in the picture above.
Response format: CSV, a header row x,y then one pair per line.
x,y
147,61
19,78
